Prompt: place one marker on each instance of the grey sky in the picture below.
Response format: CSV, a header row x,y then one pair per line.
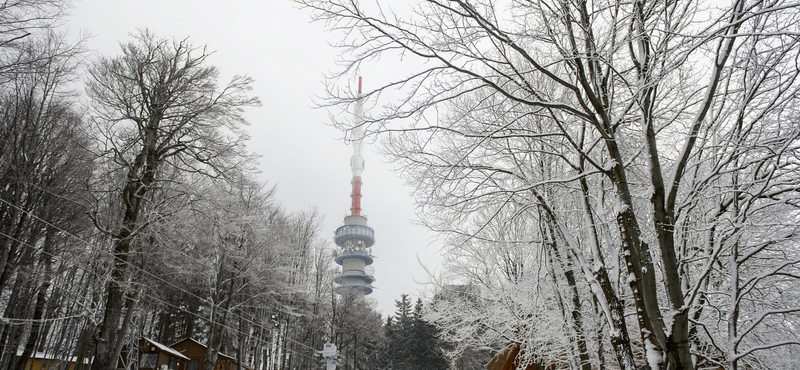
x,y
288,56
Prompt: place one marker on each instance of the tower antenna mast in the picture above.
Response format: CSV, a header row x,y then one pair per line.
x,y
357,159
355,238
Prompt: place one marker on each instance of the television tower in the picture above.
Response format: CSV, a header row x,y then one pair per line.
x,y
355,238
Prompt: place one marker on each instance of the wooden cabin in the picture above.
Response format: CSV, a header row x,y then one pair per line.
x,y
196,352
156,356
46,361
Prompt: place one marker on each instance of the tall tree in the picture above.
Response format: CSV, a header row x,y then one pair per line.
x,y
158,109
358,334
400,334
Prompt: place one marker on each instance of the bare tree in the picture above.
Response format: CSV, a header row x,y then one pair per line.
x,y
43,164
21,21
625,98
158,109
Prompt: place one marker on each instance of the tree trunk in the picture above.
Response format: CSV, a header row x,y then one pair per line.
x,y
575,312
46,260
140,176
18,311
603,290
11,247
241,342
216,333
109,330
639,263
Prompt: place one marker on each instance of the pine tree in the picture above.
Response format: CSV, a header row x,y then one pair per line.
x,y
412,343
427,352
399,335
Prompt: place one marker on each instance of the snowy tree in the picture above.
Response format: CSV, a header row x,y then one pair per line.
x,y
300,303
43,166
245,258
634,130
456,310
356,331
158,110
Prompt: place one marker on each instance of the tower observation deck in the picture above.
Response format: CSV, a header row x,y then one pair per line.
x,y
355,238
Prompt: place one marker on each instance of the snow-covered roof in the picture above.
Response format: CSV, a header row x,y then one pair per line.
x,y
204,346
166,349
51,356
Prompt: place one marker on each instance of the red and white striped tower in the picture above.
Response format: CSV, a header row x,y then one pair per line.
x,y
355,238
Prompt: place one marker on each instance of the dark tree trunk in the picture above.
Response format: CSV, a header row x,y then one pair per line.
x,y
109,330
46,260
140,177
18,311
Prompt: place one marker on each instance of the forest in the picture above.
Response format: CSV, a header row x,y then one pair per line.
x,y
130,210
617,185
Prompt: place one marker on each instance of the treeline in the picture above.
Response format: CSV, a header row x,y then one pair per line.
x,y
406,340
414,342
130,209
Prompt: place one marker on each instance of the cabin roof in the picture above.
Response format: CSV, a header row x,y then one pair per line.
x,y
166,349
204,346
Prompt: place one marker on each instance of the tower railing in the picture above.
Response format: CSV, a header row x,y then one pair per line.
x,y
341,256
358,232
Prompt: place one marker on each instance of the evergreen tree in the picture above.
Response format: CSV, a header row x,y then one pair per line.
x,y
399,334
412,342
426,348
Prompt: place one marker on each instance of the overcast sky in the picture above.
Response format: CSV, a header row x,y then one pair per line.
x,y
288,56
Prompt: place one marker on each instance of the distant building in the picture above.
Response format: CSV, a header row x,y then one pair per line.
x,y
47,361
156,356
196,356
